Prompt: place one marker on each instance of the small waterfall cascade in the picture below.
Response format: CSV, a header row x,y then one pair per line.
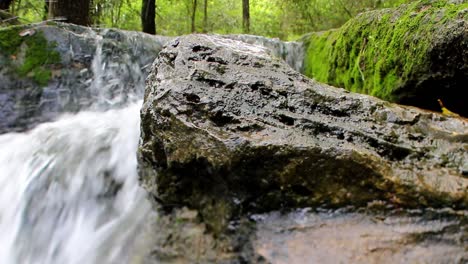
x,y
117,78
68,202
69,188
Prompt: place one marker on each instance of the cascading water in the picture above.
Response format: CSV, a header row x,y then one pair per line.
x,y
111,77
69,189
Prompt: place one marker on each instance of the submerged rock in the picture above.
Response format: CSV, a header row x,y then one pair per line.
x,y
227,130
414,54
47,69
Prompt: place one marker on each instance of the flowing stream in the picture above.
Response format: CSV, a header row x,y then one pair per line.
x,y
69,189
67,202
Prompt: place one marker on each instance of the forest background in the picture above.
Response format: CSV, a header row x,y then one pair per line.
x,y
284,19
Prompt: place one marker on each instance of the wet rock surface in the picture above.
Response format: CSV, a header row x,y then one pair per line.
x,y
228,130
347,236
181,237
291,52
74,80
377,233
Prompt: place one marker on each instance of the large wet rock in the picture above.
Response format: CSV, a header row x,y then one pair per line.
x,y
46,70
227,129
414,54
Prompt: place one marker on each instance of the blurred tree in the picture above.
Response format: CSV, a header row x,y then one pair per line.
x,y
46,9
194,13
5,4
285,19
148,16
73,11
205,16
246,16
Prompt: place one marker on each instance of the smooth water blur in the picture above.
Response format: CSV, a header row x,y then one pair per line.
x,y
69,190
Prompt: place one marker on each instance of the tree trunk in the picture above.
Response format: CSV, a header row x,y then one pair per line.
x,y
194,12
148,16
246,16
205,17
5,4
46,9
74,11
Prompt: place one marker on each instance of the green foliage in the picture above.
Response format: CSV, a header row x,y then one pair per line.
x,y
285,19
373,53
39,54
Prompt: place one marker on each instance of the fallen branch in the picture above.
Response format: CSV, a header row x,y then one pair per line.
x,y
7,18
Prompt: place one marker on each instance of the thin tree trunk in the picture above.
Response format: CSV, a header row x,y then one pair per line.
x,y
74,11
194,12
205,17
46,9
15,6
246,16
148,16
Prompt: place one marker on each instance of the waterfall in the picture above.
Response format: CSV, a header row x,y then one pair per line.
x,y
69,188
117,78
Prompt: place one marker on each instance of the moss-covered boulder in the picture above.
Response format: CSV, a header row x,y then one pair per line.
x,y
28,53
414,54
226,129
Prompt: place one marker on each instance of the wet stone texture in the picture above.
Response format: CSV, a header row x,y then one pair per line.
x,y
397,236
228,131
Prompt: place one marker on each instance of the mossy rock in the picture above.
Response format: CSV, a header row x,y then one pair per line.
x,y
414,54
29,54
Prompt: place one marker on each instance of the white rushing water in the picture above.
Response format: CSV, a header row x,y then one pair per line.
x,y
69,190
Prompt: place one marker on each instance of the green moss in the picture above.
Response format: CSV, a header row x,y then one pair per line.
x,y
39,54
10,40
377,52
41,76
318,52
